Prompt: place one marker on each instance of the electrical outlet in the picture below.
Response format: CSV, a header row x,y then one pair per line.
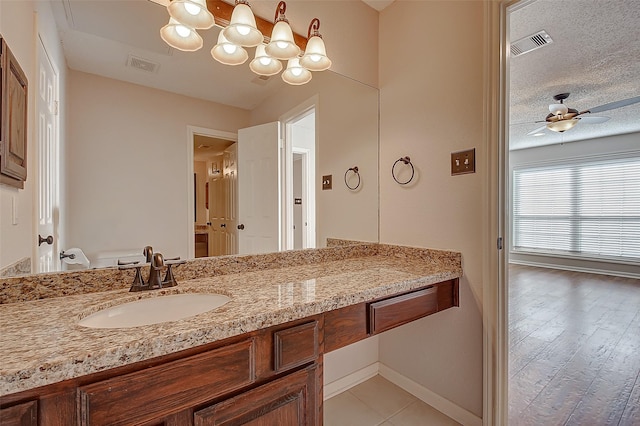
x,y
463,162
327,182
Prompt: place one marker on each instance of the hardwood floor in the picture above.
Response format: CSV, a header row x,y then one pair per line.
x,y
574,348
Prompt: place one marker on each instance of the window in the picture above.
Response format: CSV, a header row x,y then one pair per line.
x,y
586,208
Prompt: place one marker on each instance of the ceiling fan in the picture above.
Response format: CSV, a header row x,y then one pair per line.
x,y
562,118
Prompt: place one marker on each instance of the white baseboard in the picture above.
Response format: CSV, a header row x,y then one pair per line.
x,y
347,382
441,404
573,268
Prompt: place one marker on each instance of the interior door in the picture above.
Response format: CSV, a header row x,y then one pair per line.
x,y
259,189
47,152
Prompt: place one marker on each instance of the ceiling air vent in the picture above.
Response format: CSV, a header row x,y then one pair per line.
x,y
142,64
530,43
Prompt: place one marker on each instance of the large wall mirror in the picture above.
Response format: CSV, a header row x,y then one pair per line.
x,y
150,133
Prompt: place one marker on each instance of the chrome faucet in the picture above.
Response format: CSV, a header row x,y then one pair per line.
x,y
156,264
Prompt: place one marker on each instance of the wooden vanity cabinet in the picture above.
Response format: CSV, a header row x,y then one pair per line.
x,y
271,376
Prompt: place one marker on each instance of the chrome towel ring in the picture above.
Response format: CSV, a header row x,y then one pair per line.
x,y
355,171
406,160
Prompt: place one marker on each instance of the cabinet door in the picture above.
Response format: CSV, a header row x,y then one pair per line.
x,y
289,401
25,414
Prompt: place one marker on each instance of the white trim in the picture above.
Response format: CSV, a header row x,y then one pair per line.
x,y
575,268
347,382
192,131
494,212
441,404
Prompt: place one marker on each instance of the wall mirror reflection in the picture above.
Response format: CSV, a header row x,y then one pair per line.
x,y
149,145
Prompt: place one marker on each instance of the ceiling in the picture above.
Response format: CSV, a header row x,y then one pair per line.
x,y
594,56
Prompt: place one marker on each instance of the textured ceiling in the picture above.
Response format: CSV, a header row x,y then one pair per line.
x,y
595,56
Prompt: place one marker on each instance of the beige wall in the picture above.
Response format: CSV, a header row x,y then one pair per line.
x,y
127,162
431,105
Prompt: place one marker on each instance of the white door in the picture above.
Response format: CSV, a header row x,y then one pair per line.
x,y
47,152
259,189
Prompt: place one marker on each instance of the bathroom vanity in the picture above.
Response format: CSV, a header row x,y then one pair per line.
x,y
256,360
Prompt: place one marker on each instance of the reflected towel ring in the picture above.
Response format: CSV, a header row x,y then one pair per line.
x,y
357,173
405,160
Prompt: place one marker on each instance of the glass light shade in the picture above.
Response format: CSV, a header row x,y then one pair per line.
x,y
562,125
282,45
192,13
315,56
242,28
264,64
295,73
560,109
180,36
228,53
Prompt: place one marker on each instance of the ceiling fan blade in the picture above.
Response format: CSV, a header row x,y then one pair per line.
x,y
593,119
538,130
613,105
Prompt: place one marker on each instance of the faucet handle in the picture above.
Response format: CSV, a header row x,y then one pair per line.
x,y
169,278
147,252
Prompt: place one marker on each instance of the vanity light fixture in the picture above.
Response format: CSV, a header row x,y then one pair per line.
x,y
264,64
315,56
228,53
181,36
242,29
187,16
192,13
295,73
281,44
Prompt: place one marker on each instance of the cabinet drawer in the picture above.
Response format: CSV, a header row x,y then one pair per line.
x,y
157,391
295,346
291,400
389,313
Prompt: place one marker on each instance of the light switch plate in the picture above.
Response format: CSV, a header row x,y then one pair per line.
x,y
463,162
327,182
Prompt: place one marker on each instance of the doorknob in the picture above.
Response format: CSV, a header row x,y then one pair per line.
x,y
241,226
48,240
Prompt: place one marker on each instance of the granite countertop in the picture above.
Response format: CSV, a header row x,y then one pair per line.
x,y
41,343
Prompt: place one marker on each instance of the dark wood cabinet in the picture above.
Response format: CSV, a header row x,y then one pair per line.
x,y
289,401
13,119
269,377
25,414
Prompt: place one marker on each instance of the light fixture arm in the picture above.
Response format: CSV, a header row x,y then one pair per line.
x,y
280,10
315,26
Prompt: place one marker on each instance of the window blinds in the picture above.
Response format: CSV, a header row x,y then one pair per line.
x,y
588,208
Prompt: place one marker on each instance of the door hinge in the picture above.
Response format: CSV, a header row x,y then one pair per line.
x,y
56,107
499,243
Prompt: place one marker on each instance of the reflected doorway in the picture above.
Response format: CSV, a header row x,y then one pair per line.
x,y
214,196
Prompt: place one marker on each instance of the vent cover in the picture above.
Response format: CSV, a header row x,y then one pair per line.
x,y
530,43
142,64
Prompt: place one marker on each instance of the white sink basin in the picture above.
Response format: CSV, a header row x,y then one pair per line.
x,y
154,310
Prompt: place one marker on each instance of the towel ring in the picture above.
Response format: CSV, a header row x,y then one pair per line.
x,y
405,160
357,173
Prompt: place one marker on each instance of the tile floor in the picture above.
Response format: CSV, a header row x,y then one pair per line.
x,y
379,402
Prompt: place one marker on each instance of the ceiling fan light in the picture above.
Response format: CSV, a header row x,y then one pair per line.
x,y
180,36
562,125
228,53
263,64
242,29
315,56
282,45
296,74
192,13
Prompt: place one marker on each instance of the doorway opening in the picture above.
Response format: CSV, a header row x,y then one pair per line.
x,y
300,169
212,193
